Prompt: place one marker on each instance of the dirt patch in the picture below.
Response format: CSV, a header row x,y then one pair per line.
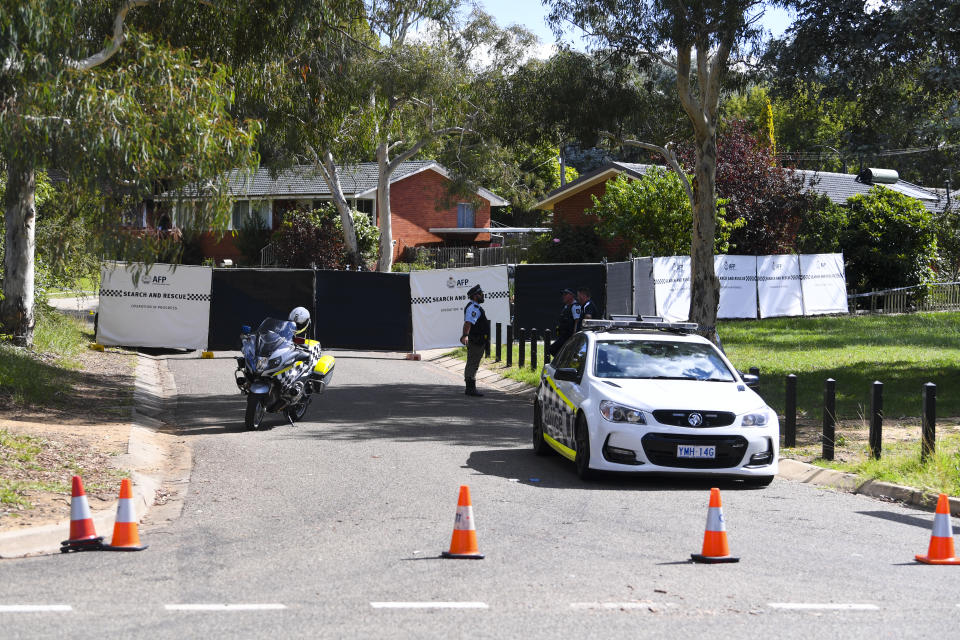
x,y
82,431
853,437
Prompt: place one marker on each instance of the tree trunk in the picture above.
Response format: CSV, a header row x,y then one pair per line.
x,y
332,179
704,285
385,264
16,309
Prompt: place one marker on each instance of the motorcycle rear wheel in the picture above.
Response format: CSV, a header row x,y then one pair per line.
x,y
256,409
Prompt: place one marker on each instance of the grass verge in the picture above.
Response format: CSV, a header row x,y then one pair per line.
x,y
33,376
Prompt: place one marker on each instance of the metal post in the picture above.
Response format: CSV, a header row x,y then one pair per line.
x,y
876,419
829,417
929,436
547,342
534,347
509,345
486,346
790,413
522,359
755,371
499,340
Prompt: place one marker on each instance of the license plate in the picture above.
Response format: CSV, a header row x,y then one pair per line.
x,y
695,451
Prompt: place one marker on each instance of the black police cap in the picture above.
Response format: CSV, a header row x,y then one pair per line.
x,y
474,291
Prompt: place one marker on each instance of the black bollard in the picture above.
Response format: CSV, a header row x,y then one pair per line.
x,y
829,417
534,347
509,345
876,419
790,413
499,340
929,437
755,371
522,338
486,346
547,334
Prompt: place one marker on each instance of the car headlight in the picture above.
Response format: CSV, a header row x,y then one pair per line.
x,y
618,413
757,419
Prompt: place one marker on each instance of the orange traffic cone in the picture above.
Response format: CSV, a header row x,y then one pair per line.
x,y
715,547
464,541
126,536
941,540
82,534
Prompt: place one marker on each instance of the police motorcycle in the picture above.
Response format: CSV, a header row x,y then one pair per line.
x,y
279,370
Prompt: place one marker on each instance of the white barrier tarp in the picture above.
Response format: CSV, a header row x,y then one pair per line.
x,y
824,283
738,286
671,279
438,298
165,306
778,286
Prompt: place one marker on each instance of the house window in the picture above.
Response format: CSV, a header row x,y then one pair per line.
x,y
244,210
465,217
365,206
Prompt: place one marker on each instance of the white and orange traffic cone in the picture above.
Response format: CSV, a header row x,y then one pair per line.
x,y
941,540
126,536
83,537
463,544
715,547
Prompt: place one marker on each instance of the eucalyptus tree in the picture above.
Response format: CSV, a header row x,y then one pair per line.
x,y
700,40
114,117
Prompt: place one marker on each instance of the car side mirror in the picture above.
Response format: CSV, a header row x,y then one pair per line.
x,y
751,380
567,373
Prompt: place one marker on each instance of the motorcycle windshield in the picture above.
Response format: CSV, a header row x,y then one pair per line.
x,y
273,334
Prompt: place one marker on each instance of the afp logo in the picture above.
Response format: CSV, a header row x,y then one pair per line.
x,y
148,279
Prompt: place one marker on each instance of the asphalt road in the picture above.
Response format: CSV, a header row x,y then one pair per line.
x,y
333,528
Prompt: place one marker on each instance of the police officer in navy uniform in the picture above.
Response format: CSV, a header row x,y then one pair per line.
x,y
568,322
475,336
588,308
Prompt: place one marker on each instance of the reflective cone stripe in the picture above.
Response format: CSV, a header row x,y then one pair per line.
x,y
83,536
126,536
81,521
940,550
715,546
463,544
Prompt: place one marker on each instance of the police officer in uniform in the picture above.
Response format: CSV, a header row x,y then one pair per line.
x,y
475,336
567,323
588,308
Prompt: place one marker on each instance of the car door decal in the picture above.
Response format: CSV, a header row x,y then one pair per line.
x,y
559,415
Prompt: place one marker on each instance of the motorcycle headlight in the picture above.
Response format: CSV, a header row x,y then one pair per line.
x,y
274,363
756,419
619,413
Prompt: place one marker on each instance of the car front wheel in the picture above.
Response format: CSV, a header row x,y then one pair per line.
x,y
582,459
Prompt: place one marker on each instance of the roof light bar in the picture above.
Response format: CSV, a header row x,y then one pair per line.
x,y
639,322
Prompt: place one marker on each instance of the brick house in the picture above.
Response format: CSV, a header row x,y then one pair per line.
x,y
422,211
570,201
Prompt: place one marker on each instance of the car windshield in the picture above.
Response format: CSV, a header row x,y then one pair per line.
x,y
661,360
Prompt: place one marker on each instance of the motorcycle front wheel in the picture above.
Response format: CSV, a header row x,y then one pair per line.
x,y
295,413
255,411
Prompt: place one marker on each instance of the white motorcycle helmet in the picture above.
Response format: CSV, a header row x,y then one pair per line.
x,y
301,318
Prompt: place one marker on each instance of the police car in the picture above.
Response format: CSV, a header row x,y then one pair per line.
x,y
645,396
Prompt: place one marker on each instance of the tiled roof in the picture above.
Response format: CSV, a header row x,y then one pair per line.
x,y
305,181
841,186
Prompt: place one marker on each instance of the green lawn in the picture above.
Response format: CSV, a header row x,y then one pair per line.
x,y
903,352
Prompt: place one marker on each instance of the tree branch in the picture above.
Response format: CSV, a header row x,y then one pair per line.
x,y
115,42
666,152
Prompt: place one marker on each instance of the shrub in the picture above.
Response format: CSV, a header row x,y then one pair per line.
x,y
310,239
821,226
567,243
889,241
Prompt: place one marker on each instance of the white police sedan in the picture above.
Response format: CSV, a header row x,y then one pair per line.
x,y
646,396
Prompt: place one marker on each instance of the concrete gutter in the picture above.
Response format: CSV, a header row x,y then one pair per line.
x,y
789,469
148,456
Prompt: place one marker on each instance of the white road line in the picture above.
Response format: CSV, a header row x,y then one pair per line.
x,y
224,607
429,605
32,608
828,606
